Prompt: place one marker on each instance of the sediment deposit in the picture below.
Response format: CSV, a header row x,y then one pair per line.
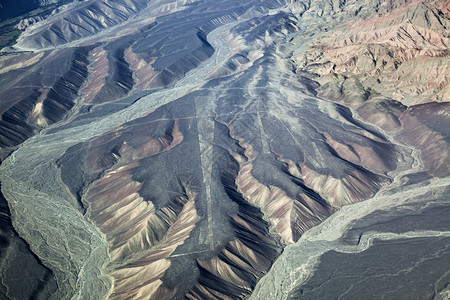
x,y
224,149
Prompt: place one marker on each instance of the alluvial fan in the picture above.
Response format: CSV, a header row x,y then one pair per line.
x,y
221,149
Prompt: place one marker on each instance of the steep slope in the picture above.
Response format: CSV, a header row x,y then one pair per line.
x,y
401,55
386,66
31,106
186,149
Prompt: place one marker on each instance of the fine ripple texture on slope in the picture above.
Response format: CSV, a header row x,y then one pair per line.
x,y
264,157
77,271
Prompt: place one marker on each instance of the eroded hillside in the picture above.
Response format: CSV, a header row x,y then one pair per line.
x,y
182,149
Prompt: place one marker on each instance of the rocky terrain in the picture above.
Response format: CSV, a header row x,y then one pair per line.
x,y
223,149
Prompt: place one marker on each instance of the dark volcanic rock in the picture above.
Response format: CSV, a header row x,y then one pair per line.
x,y
23,274
350,276
10,9
225,149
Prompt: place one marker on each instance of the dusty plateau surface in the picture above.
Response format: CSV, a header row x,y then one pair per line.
x,y
224,149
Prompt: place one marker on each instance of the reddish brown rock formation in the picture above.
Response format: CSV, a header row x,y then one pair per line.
x,y
401,55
